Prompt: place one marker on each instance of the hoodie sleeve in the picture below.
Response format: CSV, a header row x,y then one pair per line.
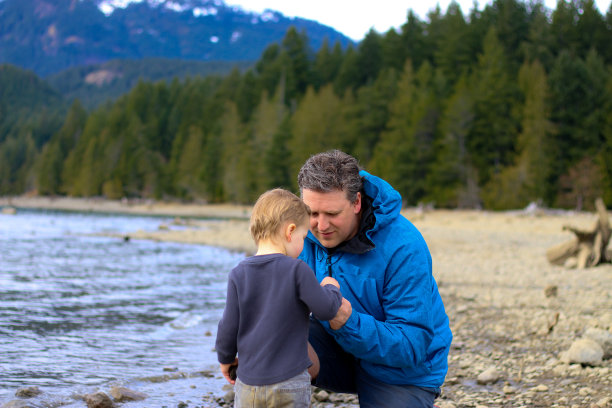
x,y
402,339
322,301
226,343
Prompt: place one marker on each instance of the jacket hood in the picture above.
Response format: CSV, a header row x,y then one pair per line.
x,y
386,201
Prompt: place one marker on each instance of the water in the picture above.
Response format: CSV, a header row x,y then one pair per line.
x,y
80,312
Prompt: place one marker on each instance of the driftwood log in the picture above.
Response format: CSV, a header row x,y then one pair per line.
x,y
588,247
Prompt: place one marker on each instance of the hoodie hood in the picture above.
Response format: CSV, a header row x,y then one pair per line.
x,y
386,201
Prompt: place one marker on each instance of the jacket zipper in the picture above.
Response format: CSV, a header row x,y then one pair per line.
x,y
329,264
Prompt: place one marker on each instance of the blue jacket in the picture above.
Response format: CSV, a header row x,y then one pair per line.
x,y
398,329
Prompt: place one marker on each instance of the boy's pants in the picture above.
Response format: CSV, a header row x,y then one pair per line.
x,y
294,392
340,372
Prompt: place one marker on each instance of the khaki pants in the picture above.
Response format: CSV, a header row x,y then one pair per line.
x,y
294,392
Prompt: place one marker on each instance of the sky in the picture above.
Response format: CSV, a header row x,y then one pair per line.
x,y
354,18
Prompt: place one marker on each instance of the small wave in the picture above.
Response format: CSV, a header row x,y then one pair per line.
x,y
186,320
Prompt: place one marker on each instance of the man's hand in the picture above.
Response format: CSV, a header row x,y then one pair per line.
x,y
330,281
342,316
225,370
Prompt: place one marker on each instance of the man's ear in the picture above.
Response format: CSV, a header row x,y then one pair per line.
x,y
357,203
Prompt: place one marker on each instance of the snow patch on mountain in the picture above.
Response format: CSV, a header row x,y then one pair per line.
x,y
199,8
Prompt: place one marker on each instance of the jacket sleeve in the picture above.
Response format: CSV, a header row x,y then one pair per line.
x,y
402,339
226,343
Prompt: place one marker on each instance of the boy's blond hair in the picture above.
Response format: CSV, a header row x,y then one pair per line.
x,y
273,209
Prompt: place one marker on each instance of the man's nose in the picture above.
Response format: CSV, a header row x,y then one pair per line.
x,y
322,223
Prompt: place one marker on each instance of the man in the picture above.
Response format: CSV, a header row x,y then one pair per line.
x,y
389,341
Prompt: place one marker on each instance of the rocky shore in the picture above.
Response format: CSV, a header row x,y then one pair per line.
x,y
526,333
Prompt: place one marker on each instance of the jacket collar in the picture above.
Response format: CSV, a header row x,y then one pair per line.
x,y
360,243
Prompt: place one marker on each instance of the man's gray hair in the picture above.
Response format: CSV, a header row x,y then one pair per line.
x,y
330,171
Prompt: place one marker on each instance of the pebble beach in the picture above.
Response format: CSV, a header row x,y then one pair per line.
x,y
526,333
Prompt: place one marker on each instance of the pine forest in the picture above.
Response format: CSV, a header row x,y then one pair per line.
x,y
493,108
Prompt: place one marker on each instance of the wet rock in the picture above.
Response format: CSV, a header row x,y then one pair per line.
x,y
28,392
99,400
489,376
17,404
603,338
122,394
584,351
229,394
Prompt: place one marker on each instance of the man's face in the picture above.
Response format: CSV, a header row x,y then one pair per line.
x,y
334,219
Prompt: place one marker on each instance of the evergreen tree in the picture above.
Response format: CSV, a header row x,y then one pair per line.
x,y
452,178
237,183
405,152
190,165
368,116
55,152
605,155
577,100
369,58
537,46
526,181
452,50
317,125
511,22
265,127
493,134
327,64
392,49
414,41
592,32
296,66
349,76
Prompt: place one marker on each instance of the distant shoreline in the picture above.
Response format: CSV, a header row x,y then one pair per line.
x,y
125,206
220,225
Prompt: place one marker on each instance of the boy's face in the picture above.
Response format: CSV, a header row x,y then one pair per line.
x,y
333,219
295,246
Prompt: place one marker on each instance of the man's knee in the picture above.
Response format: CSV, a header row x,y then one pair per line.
x,y
313,370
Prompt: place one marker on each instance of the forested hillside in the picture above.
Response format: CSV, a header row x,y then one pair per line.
x,y
497,108
30,113
99,83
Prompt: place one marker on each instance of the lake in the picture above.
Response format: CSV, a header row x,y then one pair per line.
x,y
80,311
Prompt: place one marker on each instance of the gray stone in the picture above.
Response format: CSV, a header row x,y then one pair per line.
x,y
321,395
584,351
489,376
122,394
603,338
98,400
28,392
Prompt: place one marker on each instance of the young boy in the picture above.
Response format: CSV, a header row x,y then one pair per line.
x,y
269,298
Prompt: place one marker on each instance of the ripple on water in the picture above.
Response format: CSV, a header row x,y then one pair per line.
x,y
81,311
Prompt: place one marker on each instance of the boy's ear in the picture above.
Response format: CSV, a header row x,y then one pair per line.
x,y
289,230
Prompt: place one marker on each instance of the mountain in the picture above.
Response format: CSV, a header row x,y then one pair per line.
x,y
97,83
48,36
